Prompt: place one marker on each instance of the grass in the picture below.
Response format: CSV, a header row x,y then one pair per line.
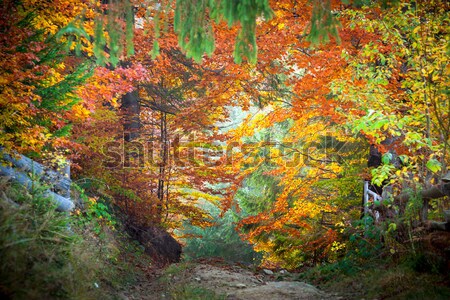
x,y
45,254
381,279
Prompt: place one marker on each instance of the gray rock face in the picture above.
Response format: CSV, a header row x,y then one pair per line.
x,y
22,166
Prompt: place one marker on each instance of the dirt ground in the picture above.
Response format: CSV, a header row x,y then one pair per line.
x,y
230,282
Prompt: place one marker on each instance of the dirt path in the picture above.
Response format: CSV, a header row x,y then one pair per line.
x,y
224,282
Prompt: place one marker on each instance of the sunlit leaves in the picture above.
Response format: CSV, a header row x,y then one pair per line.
x,y
400,83
38,87
434,165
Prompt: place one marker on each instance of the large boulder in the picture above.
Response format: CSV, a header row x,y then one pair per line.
x,y
157,242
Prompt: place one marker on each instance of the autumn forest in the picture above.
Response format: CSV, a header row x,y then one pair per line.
x,y
310,137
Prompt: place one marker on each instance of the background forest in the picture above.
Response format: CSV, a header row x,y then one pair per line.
x,y
248,130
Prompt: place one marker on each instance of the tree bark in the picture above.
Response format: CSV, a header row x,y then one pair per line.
x,y
162,167
131,110
434,192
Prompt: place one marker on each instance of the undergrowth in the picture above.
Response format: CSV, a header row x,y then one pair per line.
x,y
374,268
379,279
47,254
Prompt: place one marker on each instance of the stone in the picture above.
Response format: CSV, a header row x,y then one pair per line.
x,y
158,243
267,272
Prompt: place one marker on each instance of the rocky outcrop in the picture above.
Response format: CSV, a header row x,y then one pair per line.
x,y
19,169
158,243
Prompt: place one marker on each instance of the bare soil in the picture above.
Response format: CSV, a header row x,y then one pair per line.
x,y
230,282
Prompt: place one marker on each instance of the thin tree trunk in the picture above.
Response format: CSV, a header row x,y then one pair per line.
x,y
163,164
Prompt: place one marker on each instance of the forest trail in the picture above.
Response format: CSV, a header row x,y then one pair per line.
x,y
223,282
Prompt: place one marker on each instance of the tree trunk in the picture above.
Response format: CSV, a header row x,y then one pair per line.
x,y
131,110
434,192
163,164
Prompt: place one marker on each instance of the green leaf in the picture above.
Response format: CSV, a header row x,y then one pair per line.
x,y
434,165
380,123
404,159
386,158
392,227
